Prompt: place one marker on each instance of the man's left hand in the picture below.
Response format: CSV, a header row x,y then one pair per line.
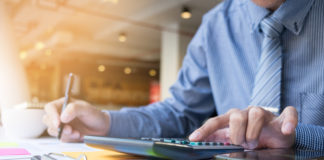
x,y
252,128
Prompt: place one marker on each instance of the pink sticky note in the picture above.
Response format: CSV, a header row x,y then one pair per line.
x,y
13,151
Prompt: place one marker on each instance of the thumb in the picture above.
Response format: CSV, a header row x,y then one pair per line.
x,y
71,112
290,120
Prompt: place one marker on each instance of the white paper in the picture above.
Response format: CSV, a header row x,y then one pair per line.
x,y
42,146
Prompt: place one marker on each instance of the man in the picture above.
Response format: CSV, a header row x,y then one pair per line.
x,y
248,61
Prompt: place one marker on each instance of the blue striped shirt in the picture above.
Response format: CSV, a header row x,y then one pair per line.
x,y
219,69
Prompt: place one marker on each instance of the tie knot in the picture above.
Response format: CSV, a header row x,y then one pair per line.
x,y
271,27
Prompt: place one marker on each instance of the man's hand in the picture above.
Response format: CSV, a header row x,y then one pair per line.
x,y
252,128
79,118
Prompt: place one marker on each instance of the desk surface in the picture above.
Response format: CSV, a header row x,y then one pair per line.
x,y
46,145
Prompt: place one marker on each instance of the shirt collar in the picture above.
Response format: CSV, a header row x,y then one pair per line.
x,y
291,14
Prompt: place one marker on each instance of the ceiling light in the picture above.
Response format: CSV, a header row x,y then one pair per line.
x,y
186,14
152,72
127,70
114,1
122,37
39,46
101,68
111,1
23,55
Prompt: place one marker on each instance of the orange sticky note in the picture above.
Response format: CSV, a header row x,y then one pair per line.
x,y
103,155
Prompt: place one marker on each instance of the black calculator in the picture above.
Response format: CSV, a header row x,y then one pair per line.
x,y
168,148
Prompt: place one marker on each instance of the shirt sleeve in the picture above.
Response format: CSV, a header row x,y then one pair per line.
x,y
190,104
310,137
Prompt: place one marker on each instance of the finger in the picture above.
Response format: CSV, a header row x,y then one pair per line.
x,y
52,110
237,126
45,120
52,132
67,130
48,122
51,129
75,134
256,121
70,139
210,126
70,134
221,135
290,120
72,111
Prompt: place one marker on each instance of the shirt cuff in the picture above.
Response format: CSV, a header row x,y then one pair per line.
x,y
116,120
309,137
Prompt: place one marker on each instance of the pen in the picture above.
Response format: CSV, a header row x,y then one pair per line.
x,y
66,101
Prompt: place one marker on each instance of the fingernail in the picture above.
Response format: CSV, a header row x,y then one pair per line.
x,y
253,144
289,128
245,145
65,131
64,117
194,136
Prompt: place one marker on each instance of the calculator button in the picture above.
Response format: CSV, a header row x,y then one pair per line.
x,y
157,139
217,143
193,143
146,139
181,142
204,143
169,140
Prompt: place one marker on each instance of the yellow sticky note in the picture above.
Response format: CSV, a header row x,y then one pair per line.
x,y
8,144
103,155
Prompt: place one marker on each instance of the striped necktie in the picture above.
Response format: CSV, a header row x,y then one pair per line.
x,y
267,83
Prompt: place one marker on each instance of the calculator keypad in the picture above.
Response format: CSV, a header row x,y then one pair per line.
x,y
186,142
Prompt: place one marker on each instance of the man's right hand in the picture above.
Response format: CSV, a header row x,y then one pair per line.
x,y
79,118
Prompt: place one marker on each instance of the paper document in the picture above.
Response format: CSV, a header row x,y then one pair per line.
x,y
38,147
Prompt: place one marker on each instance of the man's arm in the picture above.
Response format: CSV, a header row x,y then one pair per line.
x,y
310,137
190,104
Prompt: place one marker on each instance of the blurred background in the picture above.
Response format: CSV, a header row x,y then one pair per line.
x,y
123,52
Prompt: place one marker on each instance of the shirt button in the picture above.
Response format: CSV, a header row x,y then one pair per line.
x,y
260,30
296,27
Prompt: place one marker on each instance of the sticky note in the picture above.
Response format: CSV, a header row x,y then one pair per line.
x,y
8,144
13,151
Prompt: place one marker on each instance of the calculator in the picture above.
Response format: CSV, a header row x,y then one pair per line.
x,y
168,148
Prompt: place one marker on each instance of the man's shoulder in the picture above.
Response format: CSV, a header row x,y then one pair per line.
x,y
225,9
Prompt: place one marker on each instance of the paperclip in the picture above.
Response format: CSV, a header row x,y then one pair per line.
x,y
58,156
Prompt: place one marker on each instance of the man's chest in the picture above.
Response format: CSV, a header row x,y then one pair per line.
x,y
232,65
